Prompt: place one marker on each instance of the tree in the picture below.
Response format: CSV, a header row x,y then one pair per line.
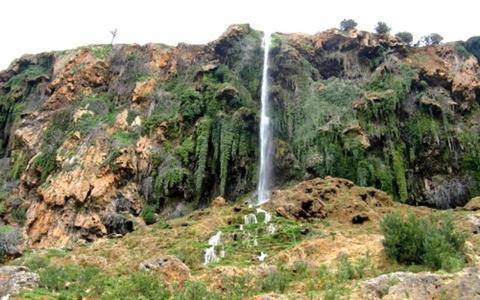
x,y
473,46
114,35
405,37
348,24
432,39
382,28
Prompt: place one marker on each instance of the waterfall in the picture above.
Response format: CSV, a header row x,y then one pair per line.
x,y
263,189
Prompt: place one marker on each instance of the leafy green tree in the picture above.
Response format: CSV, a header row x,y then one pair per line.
x,y
348,24
404,37
432,39
473,46
382,28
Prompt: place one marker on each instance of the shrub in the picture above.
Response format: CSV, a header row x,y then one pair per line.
x,y
276,282
348,24
433,242
405,37
148,215
19,214
195,290
382,28
124,138
138,285
473,46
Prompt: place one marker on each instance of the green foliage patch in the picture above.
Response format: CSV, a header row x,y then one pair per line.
x,y
434,242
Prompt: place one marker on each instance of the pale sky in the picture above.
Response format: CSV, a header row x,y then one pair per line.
x,y
32,26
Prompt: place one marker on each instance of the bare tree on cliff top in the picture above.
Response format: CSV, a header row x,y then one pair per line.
x,y
114,35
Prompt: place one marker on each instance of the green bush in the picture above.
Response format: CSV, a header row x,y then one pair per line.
x,y
433,242
19,214
148,215
195,290
138,285
277,281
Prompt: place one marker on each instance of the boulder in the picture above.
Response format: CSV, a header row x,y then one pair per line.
x,y
170,268
13,279
473,204
425,285
219,201
329,197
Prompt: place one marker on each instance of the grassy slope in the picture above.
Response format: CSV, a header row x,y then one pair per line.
x,y
321,259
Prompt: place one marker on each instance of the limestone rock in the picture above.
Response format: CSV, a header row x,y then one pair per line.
x,y
143,89
329,197
474,222
473,204
170,268
425,285
13,279
219,201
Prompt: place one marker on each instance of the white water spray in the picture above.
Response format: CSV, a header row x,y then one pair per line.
x,y
250,219
262,256
263,189
210,255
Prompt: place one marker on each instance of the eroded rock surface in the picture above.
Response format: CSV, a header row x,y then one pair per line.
x,y
329,197
425,285
170,268
13,279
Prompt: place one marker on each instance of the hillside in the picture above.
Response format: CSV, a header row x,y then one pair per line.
x,y
115,153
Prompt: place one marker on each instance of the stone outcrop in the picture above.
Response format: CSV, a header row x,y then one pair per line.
x,y
329,197
14,279
170,268
425,285
473,204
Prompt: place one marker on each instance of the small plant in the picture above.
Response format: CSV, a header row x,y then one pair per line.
x,y
277,281
195,290
20,215
101,51
405,37
148,215
382,28
433,242
124,138
348,24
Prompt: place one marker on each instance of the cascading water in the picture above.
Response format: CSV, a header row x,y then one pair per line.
x,y
210,255
263,189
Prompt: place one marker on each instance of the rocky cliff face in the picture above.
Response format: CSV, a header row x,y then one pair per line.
x,y
95,137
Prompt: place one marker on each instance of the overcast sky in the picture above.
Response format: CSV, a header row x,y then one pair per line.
x,y
32,26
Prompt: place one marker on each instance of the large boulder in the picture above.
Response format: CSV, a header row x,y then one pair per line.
x,y
13,279
425,285
329,197
170,268
473,204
